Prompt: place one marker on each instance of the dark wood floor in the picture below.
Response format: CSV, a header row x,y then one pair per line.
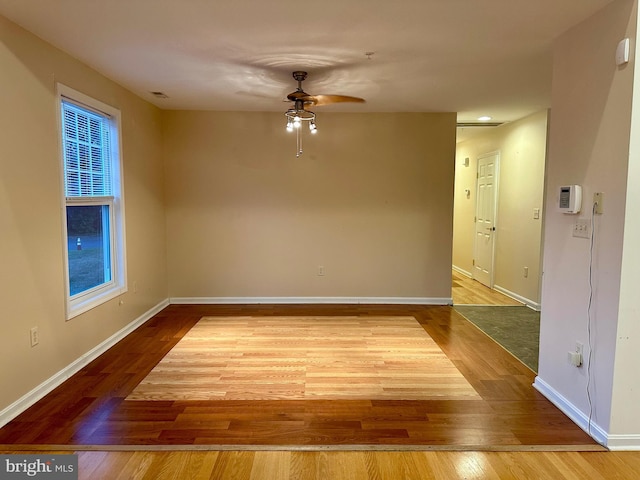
x,y
90,408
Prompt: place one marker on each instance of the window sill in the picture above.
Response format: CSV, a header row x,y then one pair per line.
x,y
81,305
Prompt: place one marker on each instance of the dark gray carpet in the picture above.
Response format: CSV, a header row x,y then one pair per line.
x,y
517,329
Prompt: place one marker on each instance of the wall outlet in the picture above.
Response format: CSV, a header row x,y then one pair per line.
x,y
582,228
525,272
320,271
35,336
575,357
597,201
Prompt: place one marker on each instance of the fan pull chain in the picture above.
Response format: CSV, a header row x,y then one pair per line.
x,y
298,142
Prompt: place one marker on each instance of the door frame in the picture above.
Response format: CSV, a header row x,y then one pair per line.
x,y
496,195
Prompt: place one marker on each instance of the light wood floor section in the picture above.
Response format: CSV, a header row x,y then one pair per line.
x,y
467,291
287,465
297,358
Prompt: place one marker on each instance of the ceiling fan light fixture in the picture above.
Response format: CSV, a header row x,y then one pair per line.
x,y
298,114
295,117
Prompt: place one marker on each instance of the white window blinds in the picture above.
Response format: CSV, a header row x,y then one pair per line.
x,y
87,153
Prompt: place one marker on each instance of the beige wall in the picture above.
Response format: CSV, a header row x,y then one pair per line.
x,y
31,249
522,147
588,145
370,200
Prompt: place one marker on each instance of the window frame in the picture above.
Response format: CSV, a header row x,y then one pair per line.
x,y
88,299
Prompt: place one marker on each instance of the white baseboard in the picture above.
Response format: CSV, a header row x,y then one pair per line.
x,y
624,442
312,300
461,271
529,303
571,411
30,398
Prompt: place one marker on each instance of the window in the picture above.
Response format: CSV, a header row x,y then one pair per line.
x,y
94,215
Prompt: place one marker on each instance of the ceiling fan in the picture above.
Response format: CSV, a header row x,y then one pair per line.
x,y
317,100
298,113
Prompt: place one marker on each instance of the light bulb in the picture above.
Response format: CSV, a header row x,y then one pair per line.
x,y
289,127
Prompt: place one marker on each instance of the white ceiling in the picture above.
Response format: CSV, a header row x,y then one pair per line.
x,y
474,57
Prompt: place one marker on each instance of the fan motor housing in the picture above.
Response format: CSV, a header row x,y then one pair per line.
x,y
299,75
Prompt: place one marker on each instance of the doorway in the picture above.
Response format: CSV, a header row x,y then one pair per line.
x,y
499,208
498,204
476,286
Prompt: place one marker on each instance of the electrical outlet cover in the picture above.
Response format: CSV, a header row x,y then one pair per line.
x,y
597,201
575,359
582,228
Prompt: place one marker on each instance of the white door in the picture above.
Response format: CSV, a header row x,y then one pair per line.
x,y
485,218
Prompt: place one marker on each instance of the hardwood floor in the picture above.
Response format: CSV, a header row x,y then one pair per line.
x,y
294,465
512,433
91,409
467,291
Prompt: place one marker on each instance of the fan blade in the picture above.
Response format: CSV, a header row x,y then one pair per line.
x,y
319,100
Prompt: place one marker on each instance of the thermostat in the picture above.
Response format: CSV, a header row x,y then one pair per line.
x,y
622,52
570,199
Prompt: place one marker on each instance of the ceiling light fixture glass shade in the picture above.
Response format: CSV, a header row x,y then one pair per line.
x,y
295,118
